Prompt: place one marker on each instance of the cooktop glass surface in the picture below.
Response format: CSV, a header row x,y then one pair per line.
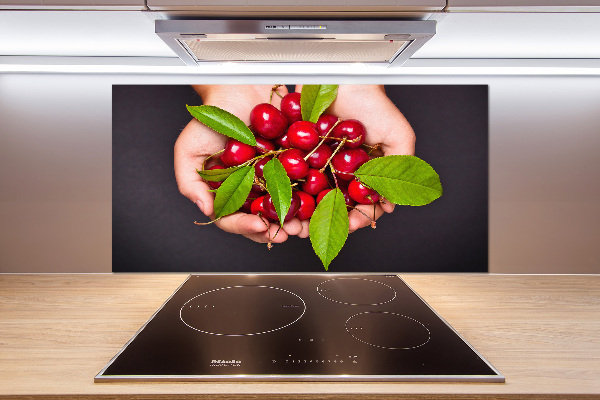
x,y
297,327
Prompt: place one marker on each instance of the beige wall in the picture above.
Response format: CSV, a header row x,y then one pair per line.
x,y
55,169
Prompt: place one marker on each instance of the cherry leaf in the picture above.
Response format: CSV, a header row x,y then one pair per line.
x,y
404,180
279,187
233,192
223,122
216,175
315,99
328,226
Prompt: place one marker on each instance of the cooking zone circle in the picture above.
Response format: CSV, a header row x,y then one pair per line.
x,y
356,291
388,330
242,310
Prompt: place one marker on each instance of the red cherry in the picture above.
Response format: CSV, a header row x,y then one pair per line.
x,y
346,161
290,107
307,206
352,130
303,135
258,189
294,164
257,206
319,157
268,121
263,145
347,199
283,141
260,166
270,208
258,171
344,188
236,153
246,207
215,185
362,194
316,182
322,194
325,123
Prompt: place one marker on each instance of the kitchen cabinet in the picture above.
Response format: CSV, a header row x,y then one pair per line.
x,y
540,331
305,5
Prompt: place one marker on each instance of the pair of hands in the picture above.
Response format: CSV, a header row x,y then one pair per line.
x,y
384,123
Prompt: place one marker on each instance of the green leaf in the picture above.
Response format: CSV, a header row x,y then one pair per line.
x,y
404,180
279,187
232,194
315,99
223,122
328,226
216,175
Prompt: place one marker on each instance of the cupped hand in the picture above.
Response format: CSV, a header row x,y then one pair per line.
x,y
197,142
386,127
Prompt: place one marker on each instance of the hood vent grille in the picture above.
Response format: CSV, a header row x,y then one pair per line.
x,y
386,42
311,50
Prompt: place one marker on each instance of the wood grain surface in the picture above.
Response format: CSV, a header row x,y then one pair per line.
x,y
542,332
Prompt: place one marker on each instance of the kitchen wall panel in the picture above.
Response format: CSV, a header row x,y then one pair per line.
x,y
152,221
55,168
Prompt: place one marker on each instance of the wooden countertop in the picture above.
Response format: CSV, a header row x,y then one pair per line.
x,y
542,332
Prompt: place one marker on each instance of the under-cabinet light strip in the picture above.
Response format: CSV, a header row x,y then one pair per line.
x,y
412,67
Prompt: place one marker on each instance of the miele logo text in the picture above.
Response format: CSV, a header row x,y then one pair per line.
x,y
225,363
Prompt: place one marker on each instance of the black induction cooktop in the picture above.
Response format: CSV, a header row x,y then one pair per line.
x,y
297,327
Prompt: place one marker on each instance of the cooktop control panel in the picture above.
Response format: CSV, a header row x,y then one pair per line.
x,y
297,327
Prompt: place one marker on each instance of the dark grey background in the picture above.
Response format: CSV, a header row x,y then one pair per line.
x,y
153,226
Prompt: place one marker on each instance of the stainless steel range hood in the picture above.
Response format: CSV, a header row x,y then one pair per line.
x,y
384,42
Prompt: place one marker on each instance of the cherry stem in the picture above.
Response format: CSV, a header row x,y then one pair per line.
x,y
323,138
257,158
274,90
356,139
209,157
262,219
258,181
269,244
333,154
366,216
278,229
374,210
206,223
334,177
252,161
372,148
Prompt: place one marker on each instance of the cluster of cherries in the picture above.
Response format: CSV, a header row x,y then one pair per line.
x,y
305,149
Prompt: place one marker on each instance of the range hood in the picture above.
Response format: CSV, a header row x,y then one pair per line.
x,y
385,42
